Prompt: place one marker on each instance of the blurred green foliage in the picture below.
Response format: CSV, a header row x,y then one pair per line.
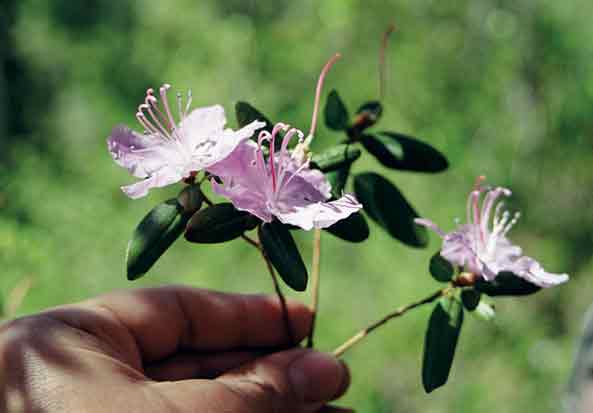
x,y
503,88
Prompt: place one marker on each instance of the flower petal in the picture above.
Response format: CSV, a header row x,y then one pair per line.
x,y
244,200
203,135
530,270
320,214
139,154
164,177
202,124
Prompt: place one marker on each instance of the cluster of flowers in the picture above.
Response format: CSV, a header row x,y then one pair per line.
x,y
280,185
278,182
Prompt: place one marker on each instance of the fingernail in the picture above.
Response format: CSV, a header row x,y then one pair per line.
x,y
316,377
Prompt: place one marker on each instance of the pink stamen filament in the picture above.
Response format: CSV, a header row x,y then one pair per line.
x,y
320,81
284,153
163,91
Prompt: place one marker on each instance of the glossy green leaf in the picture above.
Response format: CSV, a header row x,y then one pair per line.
x,y
386,205
440,342
353,229
218,223
338,180
506,283
335,158
282,251
336,114
246,114
402,152
440,269
153,236
470,298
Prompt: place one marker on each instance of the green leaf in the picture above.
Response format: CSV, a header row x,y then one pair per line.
x,y
336,114
506,283
336,157
218,223
440,342
246,114
440,269
153,236
402,152
338,180
353,229
282,251
470,298
385,204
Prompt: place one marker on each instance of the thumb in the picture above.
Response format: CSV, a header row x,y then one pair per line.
x,y
293,381
288,381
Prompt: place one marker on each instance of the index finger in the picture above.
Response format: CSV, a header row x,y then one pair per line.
x,y
162,321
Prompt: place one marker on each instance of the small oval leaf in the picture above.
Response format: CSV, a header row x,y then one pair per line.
x,y
282,251
246,114
440,269
217,223
153,236
470,298
386,205
354,228
440,342
336,114
398,151
506,283
334,158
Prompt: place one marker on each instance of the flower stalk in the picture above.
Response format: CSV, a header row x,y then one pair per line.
x,y
315,280
348,344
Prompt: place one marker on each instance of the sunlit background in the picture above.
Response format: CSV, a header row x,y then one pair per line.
x,y
503,88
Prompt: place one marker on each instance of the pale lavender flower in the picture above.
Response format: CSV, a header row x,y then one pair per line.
x,y
282,185
169,151
481,247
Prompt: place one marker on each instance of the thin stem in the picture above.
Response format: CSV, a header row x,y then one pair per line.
x,y
397,313
281,298
384,42
315,279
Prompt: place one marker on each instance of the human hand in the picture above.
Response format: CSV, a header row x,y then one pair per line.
x,y
171,349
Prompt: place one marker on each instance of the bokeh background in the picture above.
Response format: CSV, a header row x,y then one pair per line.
x,y
503,88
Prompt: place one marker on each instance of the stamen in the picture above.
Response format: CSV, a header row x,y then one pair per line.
x,y
479,181
277,128
163,91
149,103
512,223
188,105
179,98
148,127
284,155
322,75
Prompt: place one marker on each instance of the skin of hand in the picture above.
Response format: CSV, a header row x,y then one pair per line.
x,y
171,349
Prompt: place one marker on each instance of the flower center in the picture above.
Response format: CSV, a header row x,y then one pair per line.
x,y
277,167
